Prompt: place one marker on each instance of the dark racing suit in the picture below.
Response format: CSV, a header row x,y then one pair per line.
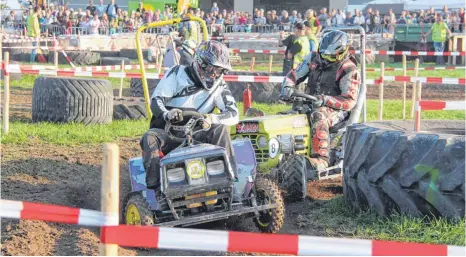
x,y
337,85
180,89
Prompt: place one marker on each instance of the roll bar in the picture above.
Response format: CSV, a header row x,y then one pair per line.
x,y
141,58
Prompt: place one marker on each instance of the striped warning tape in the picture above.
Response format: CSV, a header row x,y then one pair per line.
x,y
228,78
244,38
218,241
55,213
441,105
423,68
128,67
408,53
435,106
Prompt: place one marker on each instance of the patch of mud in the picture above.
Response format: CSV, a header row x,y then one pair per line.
x,y
70,176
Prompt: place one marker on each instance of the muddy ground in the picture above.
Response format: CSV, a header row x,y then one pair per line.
x,y
70,176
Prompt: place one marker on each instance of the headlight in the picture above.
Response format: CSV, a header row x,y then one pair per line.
x,y
262,142
175,175
215,168
195,169
237,137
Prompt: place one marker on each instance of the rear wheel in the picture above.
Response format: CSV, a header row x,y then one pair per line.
x,y
268,192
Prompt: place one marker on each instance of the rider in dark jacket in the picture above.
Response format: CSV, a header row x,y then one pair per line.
x,y
334,79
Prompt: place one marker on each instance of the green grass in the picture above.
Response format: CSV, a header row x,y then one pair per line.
x,y
72,134
337,220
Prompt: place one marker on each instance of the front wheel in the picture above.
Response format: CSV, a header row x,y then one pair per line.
x,y
136,211
268,192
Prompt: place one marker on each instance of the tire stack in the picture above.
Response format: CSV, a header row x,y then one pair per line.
x,y
63,100
387,167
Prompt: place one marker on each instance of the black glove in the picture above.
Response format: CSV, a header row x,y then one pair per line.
x,y
286,93
319,102
174,115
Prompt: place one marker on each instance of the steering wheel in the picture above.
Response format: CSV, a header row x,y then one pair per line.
x,y
305,96
191,119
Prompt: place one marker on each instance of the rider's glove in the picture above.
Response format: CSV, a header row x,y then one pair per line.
x,y
207,122
286,93
319,102
174,115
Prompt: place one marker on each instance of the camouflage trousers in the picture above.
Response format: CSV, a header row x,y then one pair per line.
x,y
322,120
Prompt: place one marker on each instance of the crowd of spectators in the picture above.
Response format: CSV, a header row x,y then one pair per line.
x,y
108,18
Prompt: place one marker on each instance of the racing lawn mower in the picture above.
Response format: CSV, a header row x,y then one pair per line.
x,y
282,150
198,184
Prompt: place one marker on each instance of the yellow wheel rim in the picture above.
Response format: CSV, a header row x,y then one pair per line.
x,y
132,215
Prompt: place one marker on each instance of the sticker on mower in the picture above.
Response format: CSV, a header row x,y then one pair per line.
x,y
274,147
247,127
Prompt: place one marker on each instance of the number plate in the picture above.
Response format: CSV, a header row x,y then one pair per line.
x,y
247,127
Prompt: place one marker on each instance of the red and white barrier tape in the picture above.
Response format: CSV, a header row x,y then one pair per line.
x,y
218,241
25,40
435,106
55,213
228,78
244,38
408,53
453,81
411,53
16,68
442,105
424,68
245,242
251,51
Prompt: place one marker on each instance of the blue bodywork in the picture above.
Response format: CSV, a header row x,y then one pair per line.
x,y
245,162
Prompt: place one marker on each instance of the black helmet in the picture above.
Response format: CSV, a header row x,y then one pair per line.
x,y
211,61
333,46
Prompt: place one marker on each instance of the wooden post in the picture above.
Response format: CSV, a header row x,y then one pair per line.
x,y
270,63
6,90
120,93
253,60
418,91
404,87
413,97
110,192
160,64
382,74
455,48
55,59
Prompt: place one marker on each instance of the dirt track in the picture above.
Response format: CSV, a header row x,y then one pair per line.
x,y
71,176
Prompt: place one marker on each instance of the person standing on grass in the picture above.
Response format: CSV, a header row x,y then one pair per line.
x,y
439,32
33,28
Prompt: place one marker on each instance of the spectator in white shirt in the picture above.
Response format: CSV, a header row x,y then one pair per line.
x,y
340,17
358,19
94,25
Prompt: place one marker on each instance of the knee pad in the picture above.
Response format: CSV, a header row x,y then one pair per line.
x,y
150,142
316,116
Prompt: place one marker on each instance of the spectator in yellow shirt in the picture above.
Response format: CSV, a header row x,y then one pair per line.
x,y
33,29
439,32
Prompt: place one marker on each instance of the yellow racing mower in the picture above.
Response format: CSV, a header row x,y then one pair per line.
x,y
197,180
